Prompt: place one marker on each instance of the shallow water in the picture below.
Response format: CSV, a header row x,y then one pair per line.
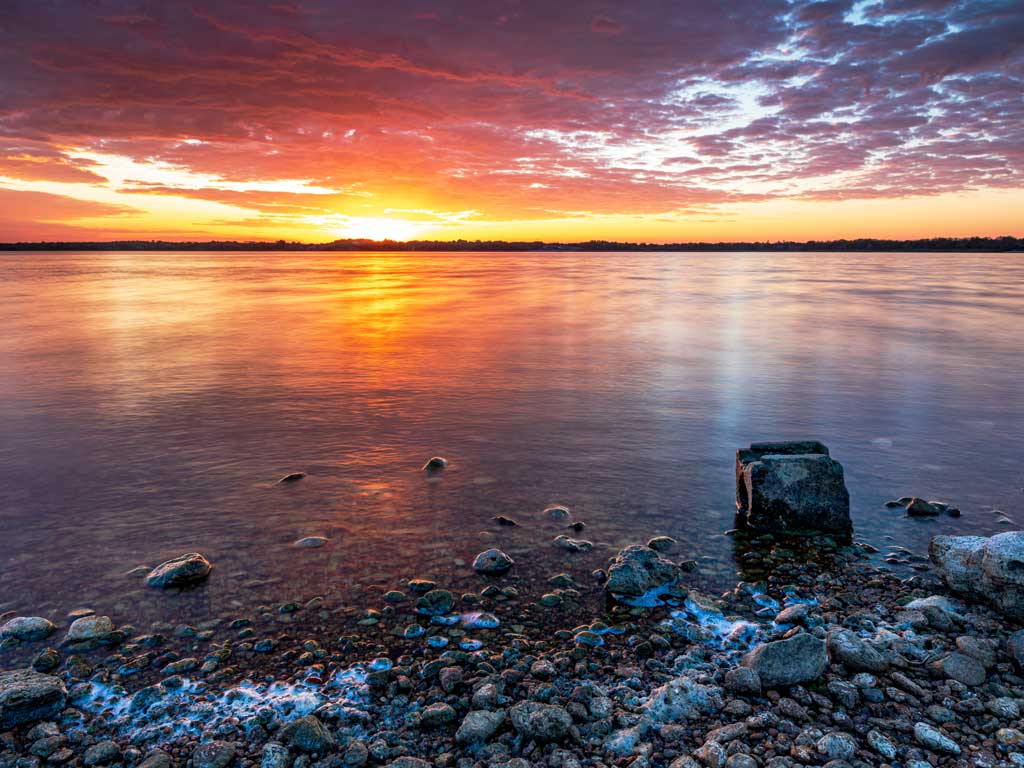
x,y
150,401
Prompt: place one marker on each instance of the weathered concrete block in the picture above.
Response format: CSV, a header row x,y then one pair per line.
x,y
792,487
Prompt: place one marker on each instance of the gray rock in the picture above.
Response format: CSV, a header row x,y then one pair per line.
x,y
102,753
935,740
662,543
541,722
1015,647
90,629
492,561
435,463
436,602
356,754
793,487
275,755
437,714
794,614
27,628
27,696
989,569
479,725
881,745
572,545
798,659
311,542
837,746
190,568
963,668
156,759
920,508
844,646
213,754
309,735
409,762
638,569
743,680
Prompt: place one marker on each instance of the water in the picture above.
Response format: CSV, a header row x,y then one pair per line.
x,y
150,401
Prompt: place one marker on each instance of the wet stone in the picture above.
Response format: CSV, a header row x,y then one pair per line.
x,y
185,570
27,628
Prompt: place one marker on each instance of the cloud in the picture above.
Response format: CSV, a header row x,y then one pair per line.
x,y
514,109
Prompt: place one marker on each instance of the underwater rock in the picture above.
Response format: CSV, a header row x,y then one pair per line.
x,y
183,571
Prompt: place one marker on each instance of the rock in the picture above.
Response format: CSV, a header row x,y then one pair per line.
x,y
478,726
437,714
409,762
90,629
45,660
743,680
190,568
356,754
845,647
506,521
435,463
1015,647
792,487
681,698
573,545
920,508
541,722
436,602
309,735
932,738
311,542
492,561
881,745
637,569
991,569
27,628
213,754
156,759
275,755
963,668
291,477
102,753
27,696
794,614
837,746
556,512
798,659
662,543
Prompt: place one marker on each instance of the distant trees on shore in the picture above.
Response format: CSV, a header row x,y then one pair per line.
x,y
951,244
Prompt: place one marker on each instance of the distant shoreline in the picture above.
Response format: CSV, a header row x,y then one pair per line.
x,y
1006,244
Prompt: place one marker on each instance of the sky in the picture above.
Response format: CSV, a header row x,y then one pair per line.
x,y
652,120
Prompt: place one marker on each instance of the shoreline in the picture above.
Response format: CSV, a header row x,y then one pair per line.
x,y
359,686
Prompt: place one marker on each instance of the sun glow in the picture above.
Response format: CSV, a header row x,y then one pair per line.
x,y
371,228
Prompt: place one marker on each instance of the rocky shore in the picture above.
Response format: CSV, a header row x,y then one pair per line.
x,y
824,655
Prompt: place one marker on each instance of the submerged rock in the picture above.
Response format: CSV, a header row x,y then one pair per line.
x,y
572,545
190,568
291,477
311,542
798,659
90,629
27,696
435,463
792,487
991,569
27,628
492,561
637,569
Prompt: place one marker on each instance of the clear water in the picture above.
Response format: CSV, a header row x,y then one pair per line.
x,y
150,401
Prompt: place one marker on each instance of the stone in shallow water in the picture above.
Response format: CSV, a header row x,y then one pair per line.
x,y
637,569
436,602
291,477
573,545
798,659
435,463
792,487
311,542
27,628
190,568
492,561
27,696
90,629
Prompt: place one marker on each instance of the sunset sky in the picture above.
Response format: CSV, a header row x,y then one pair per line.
x,y
656,121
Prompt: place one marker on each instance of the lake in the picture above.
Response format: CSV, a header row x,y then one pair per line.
x,y
149,403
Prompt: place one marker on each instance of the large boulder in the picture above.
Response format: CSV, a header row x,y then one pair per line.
x,y
991,569
793,488
183,571
798,659
27,696
637,569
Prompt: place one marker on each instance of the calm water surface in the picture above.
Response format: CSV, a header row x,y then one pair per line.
x,y
149,402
